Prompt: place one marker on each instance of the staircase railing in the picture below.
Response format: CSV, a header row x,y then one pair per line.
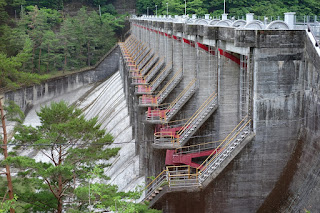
x,y
166,111
154,70
156,184
173,82
129,49
197,148
186,176
148,89
139,78
140,53
151,100
164,73
182,176
182,98
143,62
316,42
237,135
198,118
150,63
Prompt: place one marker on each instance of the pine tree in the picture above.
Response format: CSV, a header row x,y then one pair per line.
x,y
71,147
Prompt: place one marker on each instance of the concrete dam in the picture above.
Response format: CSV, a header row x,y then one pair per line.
x,y
217,115
225,113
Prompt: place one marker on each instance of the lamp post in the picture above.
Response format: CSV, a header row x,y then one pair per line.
x,y
185,7
147,11
156,10
224,7
167,9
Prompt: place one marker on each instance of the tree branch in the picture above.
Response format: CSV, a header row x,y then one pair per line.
x,y
55,163
47,155
51,188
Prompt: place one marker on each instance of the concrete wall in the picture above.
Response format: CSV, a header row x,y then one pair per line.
x,y
278,87
54,87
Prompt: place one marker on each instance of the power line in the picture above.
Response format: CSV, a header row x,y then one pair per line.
x,y
127,142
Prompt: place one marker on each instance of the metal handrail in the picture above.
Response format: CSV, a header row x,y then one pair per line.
x,y
315,38
182,93
196,148
149,64
131,47
167,107
169,82
209,160
144,78
143,56
164,88
161,73
145,59
155,69
155,183
140,52
181,176
196,114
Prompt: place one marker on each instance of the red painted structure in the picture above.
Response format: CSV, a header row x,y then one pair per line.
x,y
176,159
159,113
143,88
167,131
148,99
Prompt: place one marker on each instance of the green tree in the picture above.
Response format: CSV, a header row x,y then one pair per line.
x,y
71,145
11,77
102,196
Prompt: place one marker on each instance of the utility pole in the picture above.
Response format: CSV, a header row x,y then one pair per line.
x,y
156,10
167,9
185,7
5,153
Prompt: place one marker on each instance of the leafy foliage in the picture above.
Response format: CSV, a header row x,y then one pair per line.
x,y
233,7
71,146
44,41
6,205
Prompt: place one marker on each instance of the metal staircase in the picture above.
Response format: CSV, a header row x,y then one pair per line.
x,y
155,100
144,60
226,149
141,53
186,154
190,127
150,63
165,112
149,89
180,178
140,79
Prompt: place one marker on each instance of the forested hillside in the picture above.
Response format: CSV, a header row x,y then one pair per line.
x,y
233,7
41,38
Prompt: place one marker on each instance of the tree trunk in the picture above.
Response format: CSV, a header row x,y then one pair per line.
x,y
60,184
5,153
39,68
88,45
48,58
59,206
32,65
65,56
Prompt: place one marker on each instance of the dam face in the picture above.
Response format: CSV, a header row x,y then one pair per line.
x,y
270,76
216,117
